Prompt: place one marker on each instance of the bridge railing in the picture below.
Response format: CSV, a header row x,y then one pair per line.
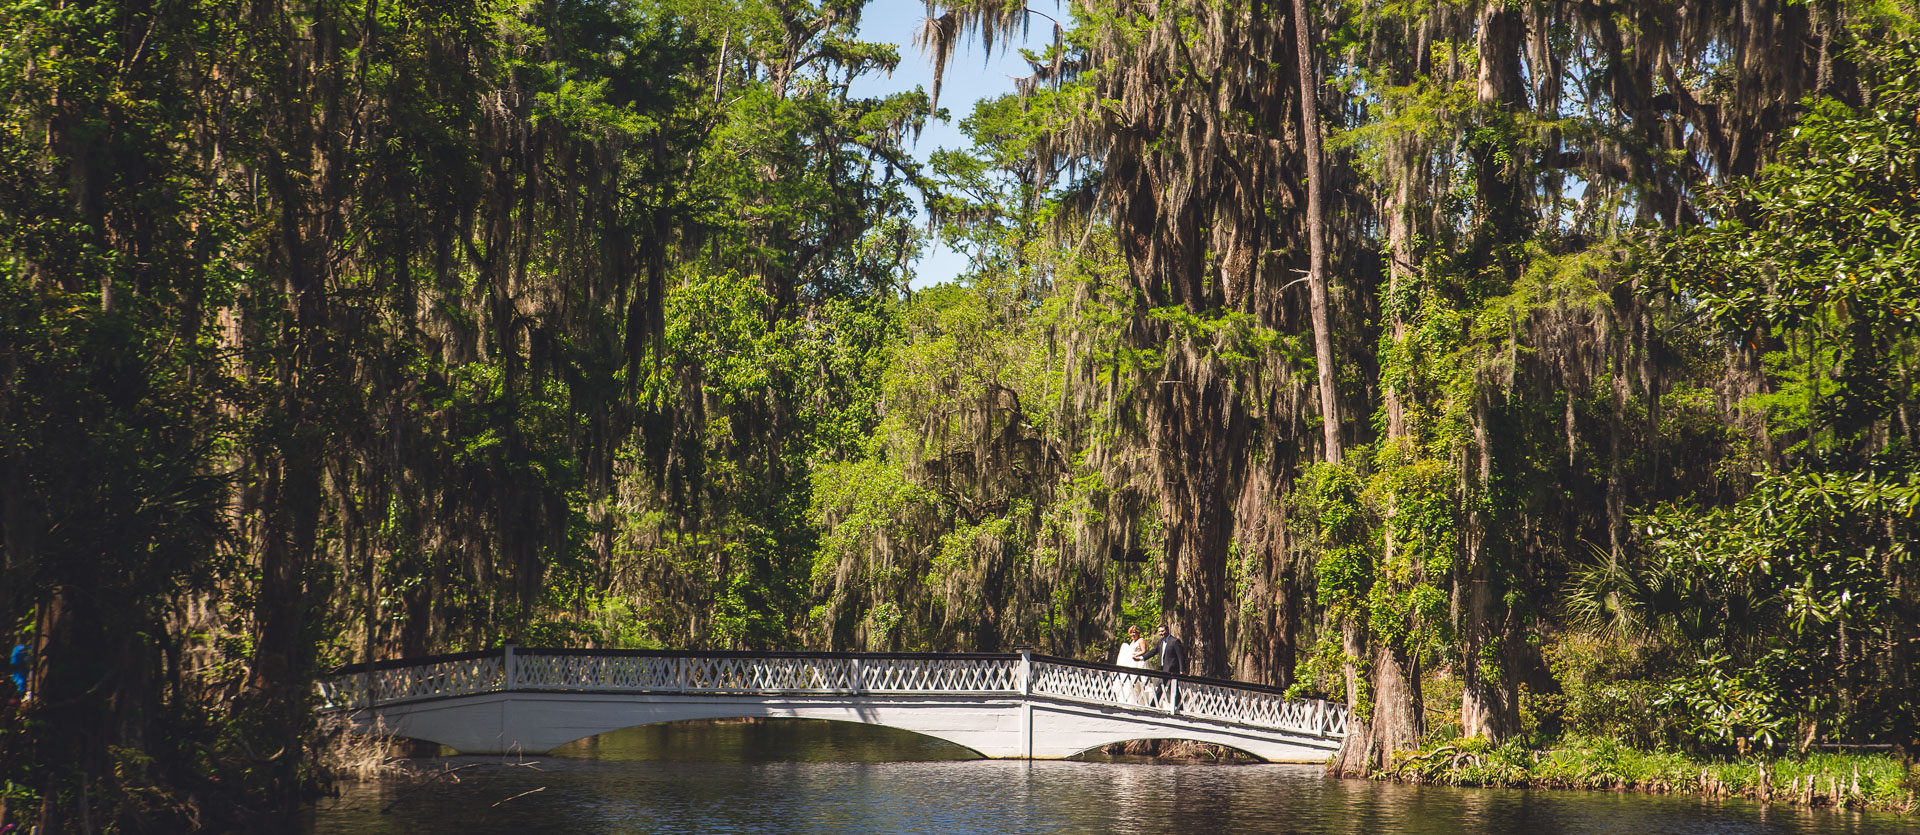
x,y
769,673
827,673
464,674
1268,710
1082,682
1188,696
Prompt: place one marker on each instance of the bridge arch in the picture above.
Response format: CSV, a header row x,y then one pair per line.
x,y
536,723
540,722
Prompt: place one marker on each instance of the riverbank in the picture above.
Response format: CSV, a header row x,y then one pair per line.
x,y
1876,782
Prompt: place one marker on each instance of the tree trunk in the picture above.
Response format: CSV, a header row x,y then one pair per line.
x,y
305,174
1316,232
1395,723
1200,430
1283,636
1616,447
1502,224
68,691
1489,704
1488,701
1353,643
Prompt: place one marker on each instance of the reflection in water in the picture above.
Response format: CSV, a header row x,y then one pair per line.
x,y
806,777
764,741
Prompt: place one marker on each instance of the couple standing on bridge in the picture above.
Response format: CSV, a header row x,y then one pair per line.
x,y
1137,654
1166,647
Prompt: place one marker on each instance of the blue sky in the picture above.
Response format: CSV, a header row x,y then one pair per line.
x,y
969,78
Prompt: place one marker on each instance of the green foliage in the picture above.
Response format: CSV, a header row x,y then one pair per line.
x,y
1815,256
1723,710
861,578
1332,505
959,521
1233,339
431,326
1608,688
1760,590
1853,781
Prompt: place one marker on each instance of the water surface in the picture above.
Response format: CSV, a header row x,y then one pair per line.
x,y
808,777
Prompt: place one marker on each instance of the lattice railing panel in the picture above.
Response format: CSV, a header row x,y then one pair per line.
x,y
1102,686
1335,723
438,679
1227,705
944,675
592,672
734,674
1261,709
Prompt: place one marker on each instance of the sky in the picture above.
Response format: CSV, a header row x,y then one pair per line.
x,y
969,78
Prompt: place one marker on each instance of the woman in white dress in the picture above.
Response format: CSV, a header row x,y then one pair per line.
x,y
1127,687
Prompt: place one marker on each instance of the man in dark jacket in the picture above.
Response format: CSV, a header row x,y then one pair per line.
x,y
1172,653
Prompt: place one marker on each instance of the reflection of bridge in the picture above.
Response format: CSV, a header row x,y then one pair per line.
x,y
1000,705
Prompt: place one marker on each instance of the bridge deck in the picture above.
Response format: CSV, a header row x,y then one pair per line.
x,y
533,699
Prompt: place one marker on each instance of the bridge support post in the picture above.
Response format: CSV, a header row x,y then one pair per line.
x,y
509,670
1173,696
1026,702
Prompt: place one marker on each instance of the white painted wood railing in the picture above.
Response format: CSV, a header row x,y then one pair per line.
x,y
431,678
1021,675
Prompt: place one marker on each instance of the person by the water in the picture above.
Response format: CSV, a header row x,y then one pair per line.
x,y
1129,688
1129,654
17,666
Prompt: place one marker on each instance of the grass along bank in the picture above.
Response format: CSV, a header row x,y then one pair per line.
x,y
1856,781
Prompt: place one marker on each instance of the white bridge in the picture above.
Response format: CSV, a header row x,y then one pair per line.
x,y
1023,705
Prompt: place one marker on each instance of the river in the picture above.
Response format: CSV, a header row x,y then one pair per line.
x,y
807,777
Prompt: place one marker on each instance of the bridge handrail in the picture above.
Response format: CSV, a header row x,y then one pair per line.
x,y
346,670
459,674
1160,674
802,672
360,667
1200,697
777,653
394,663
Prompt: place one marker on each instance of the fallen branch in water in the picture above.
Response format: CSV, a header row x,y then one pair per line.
x,y
521,795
